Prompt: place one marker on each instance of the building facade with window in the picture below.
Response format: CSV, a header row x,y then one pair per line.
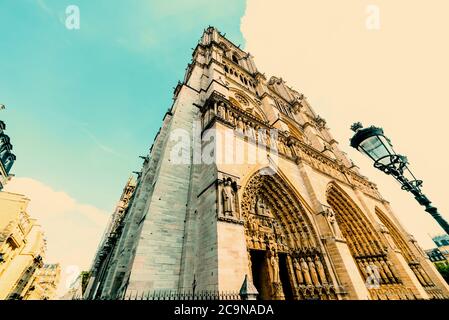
x,y
245,179
442,242
22,247
45,284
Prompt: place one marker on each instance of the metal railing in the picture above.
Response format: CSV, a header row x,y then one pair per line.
x,y
174,295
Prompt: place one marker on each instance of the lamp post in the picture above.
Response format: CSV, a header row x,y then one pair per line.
x,y
372,142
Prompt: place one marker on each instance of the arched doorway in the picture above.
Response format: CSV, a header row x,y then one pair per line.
x,y
285,257
393,234
367,248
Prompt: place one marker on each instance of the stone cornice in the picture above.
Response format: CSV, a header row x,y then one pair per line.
x,y
300,151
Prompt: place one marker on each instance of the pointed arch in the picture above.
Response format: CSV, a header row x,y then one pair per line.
x,y
399,241
366,246
411,259
282,198
252,106
277,222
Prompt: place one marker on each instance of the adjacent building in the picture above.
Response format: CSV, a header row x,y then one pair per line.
x,y
45,284
442,242
23,274
22,247
245,181
437,257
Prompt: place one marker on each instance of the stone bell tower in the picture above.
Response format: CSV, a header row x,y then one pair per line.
x,y
245,179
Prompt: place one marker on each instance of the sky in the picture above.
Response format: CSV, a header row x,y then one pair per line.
x,y
83,105
380,62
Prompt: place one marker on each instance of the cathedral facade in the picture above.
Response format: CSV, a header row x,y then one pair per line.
x,y
245,179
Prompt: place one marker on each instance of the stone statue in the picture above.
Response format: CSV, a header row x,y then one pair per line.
x,y
228,199
305,271
320,269
253,225
333,223
274,263
221,110
268,138
261,207
312,270
288,151
240,125
250,131
230,117
298,271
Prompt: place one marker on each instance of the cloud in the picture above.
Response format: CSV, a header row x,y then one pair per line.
x,y
100,145
73,230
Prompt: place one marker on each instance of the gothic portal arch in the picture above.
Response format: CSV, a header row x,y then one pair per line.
x,y
368,249
398,241
286,260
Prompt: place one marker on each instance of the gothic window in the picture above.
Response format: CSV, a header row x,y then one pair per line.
x,y
226,68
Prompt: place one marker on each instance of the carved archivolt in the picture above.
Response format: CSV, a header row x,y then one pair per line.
x,y
391,231
367,247
276,222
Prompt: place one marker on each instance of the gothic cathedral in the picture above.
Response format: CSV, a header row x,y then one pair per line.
x,y
245,179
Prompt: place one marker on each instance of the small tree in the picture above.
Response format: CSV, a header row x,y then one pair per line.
x,y
444,270
85,275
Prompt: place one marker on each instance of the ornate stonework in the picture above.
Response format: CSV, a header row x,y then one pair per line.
x,y
277,223
301,223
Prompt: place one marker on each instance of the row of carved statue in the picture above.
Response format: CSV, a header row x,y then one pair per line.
x,y
398,243
310,271
285,144
307,275
378,269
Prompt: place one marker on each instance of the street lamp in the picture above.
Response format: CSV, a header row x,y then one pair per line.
x,y
372,142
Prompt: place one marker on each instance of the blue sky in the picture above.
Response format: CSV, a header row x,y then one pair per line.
x,y
82,105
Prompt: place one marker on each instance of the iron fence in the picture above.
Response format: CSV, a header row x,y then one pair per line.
x,y
174,295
